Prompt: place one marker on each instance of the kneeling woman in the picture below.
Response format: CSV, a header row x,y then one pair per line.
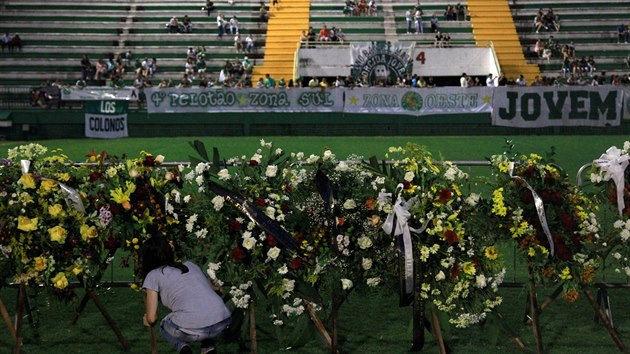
x,y
198,313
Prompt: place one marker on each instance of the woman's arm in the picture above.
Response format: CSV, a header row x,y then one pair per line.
x,y
151,305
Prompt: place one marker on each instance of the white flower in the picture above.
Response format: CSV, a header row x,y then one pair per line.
x,y
619,224
283,270
624,234
373,281
257,157
480,281
187,198
342,167
440,276
224,174
299,155
617,255
450,173
473,199
364,242
200,168
346,284
288,284
278,152
366,263
201,233
328,155
409,176
271,171
159,158
249,243
270,212
350,204
626,146
312,159
217,202
273,253
199,180
380,180
278,323
133,173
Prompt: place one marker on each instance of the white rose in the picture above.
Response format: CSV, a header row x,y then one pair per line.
x,y
350,204
273,253
480,281
440,276
249,243
217,202
373,281
256,157
283,270
271,171
133,173
159,158
473,199
270,212
288,284
346,284
364,242
328,155
366,263
409,176
342,167
224,174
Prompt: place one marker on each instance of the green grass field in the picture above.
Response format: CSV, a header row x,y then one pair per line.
x,y
369,322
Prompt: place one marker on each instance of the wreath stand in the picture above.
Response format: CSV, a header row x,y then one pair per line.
x,y
90,295
7,319
15,330
534,311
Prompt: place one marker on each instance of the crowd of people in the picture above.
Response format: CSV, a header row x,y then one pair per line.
x,y
549,20
359,8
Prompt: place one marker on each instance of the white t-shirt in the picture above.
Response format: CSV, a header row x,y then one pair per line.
x,y
463,81
490,82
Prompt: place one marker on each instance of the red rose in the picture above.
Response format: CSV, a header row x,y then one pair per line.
x,y
149,160
271,241
285,208
238,254
445,195
234,226
288,188
296,263
253,163
110,244
567,221
455,270
406,185
95,176
527,197
450,236
260,202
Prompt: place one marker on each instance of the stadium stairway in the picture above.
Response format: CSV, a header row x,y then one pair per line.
x,y
287,20
492,22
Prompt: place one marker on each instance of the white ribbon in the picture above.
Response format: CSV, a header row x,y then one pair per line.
x,y
72,196
540,209
614,165
396,224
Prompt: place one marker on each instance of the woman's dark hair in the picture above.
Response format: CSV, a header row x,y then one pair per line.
x,y
156,252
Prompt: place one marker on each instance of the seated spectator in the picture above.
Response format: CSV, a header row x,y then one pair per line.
x,y
263,13
173,25
546,54
460,11
450,14
324,34
341,37
552,20
249,44
200,67
247,65
362,7
87,70
311,36
238,43
521,81
7,41
434,24
348,8
186,26
538,23
190,67
372,8
270,82
439,40
303,40
185,82
281,83
313,83
260,84
591,64
209,7
153,68
234,25
538,48
622,33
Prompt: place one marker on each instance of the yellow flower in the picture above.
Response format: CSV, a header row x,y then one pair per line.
x,y
88,232
58,234
491,253
504,167
123,197
469,268
64,177
26,198
56,210
531,252
39,263
27,181
498,207
77,269
47,186
135,287
26,224
60,281
566,274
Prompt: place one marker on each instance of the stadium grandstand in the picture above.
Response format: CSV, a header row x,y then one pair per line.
x,y
153,43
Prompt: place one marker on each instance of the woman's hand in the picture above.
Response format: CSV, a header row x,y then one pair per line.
x,y
144,321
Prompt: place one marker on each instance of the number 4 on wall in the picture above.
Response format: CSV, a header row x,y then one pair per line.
x,y
421,58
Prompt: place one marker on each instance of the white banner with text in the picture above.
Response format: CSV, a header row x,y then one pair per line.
x,y
98,93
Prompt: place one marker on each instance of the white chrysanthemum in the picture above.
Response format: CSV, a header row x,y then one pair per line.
x,y
473,199
218,202
480,281
270,212
373,281
224,174
341,167
349,204
202,233
271,171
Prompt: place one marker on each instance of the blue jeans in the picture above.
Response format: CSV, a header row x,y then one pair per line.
x,y
178,336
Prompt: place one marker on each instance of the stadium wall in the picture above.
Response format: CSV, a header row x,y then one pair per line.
x,y
63,124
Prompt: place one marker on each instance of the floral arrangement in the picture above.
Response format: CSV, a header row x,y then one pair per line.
x,y
554,225
460,271
611,175
243,257
47,233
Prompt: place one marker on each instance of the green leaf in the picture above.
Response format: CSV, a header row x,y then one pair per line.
x,y
307,292
200,148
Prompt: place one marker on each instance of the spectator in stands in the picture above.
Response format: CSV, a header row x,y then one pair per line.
x,y
269,81
417,17
521,81
551,20
281,83
460,11
434,24
591,64
323,84
431,82
87,70
538,48
538,23
490,81
185,82
348,8
622,33
263,13
362,7
409,19
220,25
238,43
117,82
313,82
372,8
439,40
173,25
209,7
200,66
260,84
186,25
339,82
502,80
189,68
464,80
249,44
247,65
450,14
341,36
324,34
303,40
311,35
153,68
234,25
7,41
16,43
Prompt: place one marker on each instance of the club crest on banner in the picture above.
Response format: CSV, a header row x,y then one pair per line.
x,y
381,62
